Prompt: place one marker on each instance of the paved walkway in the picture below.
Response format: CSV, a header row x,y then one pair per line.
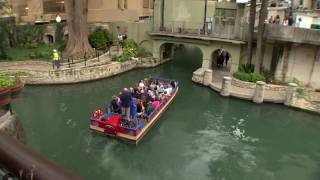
x,y
40,66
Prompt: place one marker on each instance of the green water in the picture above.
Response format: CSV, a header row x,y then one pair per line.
x,y
193,140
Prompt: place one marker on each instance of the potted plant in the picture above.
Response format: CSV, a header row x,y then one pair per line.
x,y
16,88
5,90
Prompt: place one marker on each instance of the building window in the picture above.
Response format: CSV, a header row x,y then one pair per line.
x,y
145,3
53,6
225,16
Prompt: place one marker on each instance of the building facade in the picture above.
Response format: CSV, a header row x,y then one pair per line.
x,y
290,52
98,10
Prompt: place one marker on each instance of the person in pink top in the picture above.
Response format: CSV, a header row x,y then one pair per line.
x,y
155,104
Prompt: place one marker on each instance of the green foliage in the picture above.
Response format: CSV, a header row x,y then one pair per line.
x,y
142,52
267,74
296,81
301,91
248,77
30,36
6,82
59,34
121,58
130,48
246,68
100,38
42,52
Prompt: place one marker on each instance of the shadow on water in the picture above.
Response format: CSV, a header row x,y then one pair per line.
x,y
201,136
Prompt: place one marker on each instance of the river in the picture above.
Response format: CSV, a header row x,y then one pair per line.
x,y
202,136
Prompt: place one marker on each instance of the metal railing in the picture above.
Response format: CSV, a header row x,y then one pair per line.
x,y
24,163
216,30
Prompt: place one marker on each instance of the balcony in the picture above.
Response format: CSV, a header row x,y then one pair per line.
x,y
220,32
292,34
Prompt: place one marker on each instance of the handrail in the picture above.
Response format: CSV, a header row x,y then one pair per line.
x,y
24,163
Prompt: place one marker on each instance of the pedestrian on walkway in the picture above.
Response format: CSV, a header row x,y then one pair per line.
x,y
55,59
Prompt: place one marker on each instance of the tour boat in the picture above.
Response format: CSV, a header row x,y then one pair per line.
x,y
113,124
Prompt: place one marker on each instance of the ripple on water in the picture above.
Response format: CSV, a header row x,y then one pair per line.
x,y
216,146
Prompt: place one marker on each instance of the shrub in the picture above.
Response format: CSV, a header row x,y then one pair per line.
x,y
100,38
142,52
301,91
6,82
267,74
248,77
59,34
30,36
246,68
115,58
121,58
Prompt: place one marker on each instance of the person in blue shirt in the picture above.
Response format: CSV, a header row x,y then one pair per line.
x,y
133,108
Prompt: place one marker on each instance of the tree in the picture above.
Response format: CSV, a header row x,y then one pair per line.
x,y
260,36
252,18
78,43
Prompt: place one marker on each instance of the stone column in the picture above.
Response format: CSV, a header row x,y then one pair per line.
x,y
259,92
291,91
226,86
207,78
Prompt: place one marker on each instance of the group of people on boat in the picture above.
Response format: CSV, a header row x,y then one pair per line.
x,y
142,100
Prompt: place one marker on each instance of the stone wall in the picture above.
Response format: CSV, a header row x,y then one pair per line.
x,y
249,85
259,92
89,73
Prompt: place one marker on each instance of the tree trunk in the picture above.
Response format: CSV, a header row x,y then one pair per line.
x,y
78,43
260,36
252,18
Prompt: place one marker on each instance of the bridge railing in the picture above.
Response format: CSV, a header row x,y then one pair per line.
x,y
224,31
26,164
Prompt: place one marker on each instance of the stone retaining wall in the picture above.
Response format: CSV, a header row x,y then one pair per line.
x,y
89,73
249,85
262,92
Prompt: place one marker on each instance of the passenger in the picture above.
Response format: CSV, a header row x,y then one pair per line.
x,y
156,104
140,108
126,99
152,95
173,84
115,105
131,91
168,90
141,84
133,108
149,108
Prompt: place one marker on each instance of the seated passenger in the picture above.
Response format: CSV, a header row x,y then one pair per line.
x,y
140,108
149,109
173,84
141,84
156,104
115,105
168,90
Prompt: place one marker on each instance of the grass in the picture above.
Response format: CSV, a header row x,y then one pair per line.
x,y
18,73
42,52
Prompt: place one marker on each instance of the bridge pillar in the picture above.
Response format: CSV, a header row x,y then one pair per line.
x,y
156,52
206,59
